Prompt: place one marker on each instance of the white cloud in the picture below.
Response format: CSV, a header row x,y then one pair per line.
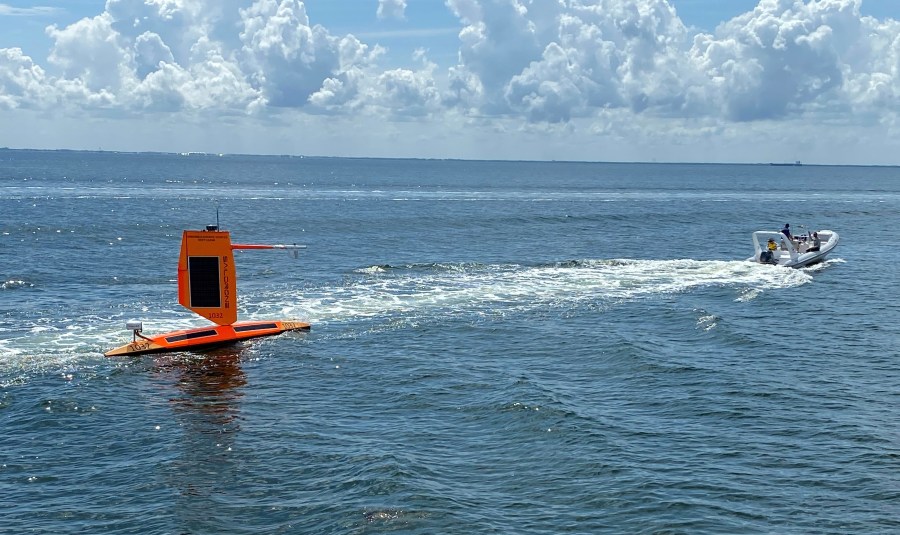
x,y
22,83
547,90
150,54
406,92
556,60
398,93
544,65
779,58
290,61
90,51
8,10
391,9
215,81
498,41
553,61
604,55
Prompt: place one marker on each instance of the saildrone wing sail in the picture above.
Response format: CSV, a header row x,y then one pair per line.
x,y
206,276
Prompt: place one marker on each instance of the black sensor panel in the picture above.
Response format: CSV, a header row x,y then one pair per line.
x,y
204,279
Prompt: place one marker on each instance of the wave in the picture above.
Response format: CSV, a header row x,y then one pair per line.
x,y
15,284
420,267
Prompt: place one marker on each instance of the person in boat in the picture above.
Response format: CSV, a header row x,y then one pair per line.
x,y
815,243
768,256
787,231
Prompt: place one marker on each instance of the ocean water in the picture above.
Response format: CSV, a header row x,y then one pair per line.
x,y
496,347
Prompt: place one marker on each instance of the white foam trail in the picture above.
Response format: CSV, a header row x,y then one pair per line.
x,y
400,297
511,288
823,265
51,345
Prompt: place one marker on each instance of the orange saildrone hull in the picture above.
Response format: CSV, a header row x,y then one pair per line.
x,y
205,337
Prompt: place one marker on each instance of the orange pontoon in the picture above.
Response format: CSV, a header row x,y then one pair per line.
x,y
206,286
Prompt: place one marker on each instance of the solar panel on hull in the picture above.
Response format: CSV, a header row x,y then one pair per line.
x,y
259,327
191,336
204,281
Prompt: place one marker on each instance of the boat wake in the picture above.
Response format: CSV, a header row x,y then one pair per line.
x,y
397,296
465,289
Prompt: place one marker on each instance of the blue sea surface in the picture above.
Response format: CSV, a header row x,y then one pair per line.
x,y
496,347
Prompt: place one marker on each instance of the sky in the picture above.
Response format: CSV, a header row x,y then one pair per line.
x,y
742,81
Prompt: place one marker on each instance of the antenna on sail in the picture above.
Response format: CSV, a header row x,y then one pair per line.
x,y
212,228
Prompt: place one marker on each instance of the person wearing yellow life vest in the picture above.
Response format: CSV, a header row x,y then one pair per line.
x,y
768,256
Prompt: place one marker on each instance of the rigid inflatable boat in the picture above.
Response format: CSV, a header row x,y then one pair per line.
x,y
796,251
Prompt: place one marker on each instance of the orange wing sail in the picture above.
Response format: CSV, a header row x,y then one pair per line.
x,y
206,275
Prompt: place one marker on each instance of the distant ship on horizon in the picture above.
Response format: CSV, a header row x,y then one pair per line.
x,y
794,164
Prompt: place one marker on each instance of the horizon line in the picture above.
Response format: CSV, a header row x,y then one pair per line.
x,y
304,156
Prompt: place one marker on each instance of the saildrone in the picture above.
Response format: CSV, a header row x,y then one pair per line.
x,y
207,286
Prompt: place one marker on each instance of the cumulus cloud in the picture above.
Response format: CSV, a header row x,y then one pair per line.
x,y
542,61
499,39
22,83
780,57
90,51
604,55
408,92
397,93
194,54
290,60
552,61
548,90
150,54
556,60
391,9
